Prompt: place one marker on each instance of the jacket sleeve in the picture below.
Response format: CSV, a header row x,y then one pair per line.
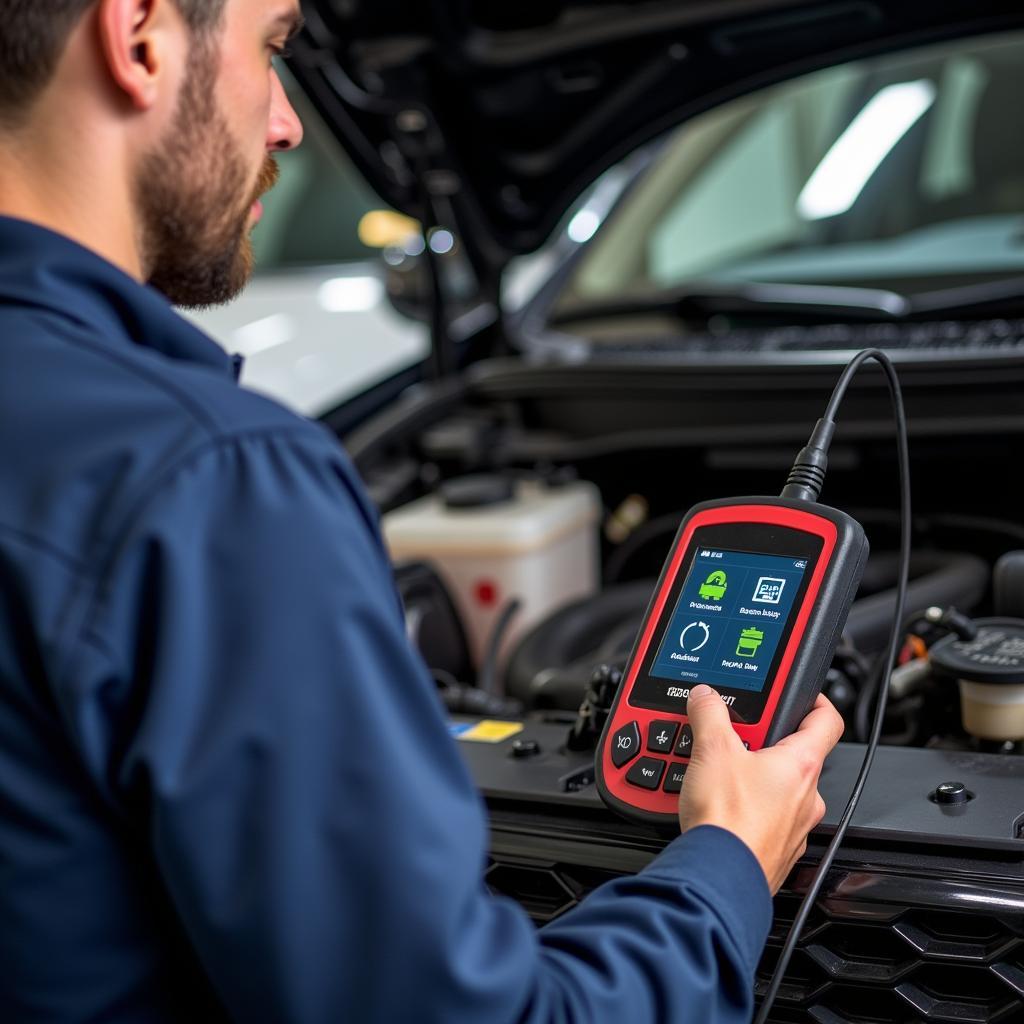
x,y
246,694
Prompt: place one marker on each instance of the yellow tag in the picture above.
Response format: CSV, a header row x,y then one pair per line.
x,y
491,731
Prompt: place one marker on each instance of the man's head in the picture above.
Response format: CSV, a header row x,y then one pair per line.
x,y
184,93
33,34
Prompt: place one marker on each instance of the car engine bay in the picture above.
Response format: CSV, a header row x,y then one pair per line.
x,y
646,442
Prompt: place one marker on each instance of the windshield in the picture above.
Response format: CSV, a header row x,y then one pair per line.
x,y
904,172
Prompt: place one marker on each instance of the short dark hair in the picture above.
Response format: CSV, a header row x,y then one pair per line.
x,y
33,34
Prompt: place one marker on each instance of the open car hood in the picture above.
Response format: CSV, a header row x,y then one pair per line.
x,y
492,116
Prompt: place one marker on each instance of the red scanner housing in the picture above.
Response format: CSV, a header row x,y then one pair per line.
x,y
766,647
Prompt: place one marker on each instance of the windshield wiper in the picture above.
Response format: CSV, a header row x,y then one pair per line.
x,y
706,300
819,301
970,298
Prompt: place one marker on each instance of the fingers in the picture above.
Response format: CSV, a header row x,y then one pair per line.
x,y
710,720
819,732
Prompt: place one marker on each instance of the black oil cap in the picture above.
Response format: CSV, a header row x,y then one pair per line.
x,y
525,748
951,793
995,655
477,491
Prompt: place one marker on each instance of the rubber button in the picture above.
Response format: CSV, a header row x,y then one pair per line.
x,y
685,744
951,793
525,748
661,735
647,773
625,744
674,778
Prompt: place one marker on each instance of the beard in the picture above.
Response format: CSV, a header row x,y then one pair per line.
x,y
194,195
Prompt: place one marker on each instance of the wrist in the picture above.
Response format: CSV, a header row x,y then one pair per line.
x,y
732,878
722,823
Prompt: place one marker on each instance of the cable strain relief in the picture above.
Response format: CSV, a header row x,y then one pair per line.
x,y
821,436
807,477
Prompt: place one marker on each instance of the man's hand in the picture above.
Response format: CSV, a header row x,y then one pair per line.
x,y
768,798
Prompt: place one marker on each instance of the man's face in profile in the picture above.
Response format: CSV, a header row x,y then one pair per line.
x,y
196,190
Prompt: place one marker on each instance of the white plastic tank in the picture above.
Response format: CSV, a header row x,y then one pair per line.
x,y
494,539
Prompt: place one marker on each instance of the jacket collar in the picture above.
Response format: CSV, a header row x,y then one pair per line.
x,y
41,268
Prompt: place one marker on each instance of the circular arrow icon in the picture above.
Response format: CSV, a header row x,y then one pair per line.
x,y
703,640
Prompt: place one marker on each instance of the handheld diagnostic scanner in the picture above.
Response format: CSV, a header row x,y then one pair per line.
x,y
752,600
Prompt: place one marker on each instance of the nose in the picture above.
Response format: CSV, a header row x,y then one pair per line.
x,y
285,129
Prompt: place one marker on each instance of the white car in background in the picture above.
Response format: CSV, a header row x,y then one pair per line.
x,y
315,326
313,338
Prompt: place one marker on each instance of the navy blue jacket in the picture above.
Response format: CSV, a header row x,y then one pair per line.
x,y
226,786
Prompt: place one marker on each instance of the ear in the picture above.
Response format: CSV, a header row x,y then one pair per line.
x,y
136,37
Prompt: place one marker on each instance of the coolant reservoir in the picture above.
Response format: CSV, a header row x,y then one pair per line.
x,y
493,540
990,671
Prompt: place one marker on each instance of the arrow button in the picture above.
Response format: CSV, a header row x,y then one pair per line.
x,y
647,773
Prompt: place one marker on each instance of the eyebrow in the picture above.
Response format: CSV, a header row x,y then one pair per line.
x,y
291,20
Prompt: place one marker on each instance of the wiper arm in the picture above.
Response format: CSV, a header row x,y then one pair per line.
x,y
969,298
817,300
820,301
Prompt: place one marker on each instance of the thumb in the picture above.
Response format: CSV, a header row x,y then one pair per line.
x,y
709,718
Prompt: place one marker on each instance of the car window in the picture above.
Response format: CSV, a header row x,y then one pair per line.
x,y
315,326
893,171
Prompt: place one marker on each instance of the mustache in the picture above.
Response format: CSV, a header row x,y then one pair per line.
x,y
270,174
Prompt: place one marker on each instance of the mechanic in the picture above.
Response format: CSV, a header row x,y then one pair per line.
x,y
226,786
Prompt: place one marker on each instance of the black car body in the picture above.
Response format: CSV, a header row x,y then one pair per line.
x,y
491,119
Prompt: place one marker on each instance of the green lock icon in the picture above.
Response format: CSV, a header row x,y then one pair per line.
x,y
713,588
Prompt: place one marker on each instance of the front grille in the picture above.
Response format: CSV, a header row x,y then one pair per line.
x,y
880,945
545,890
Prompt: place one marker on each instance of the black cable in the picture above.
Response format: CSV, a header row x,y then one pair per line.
x,y
862,705
489,669
808,472
642,535
928,523
822,433
861,712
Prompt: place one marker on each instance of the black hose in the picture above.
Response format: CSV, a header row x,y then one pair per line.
x,y
489,669
641,536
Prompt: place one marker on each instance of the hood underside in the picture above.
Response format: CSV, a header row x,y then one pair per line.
x,y
492,117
